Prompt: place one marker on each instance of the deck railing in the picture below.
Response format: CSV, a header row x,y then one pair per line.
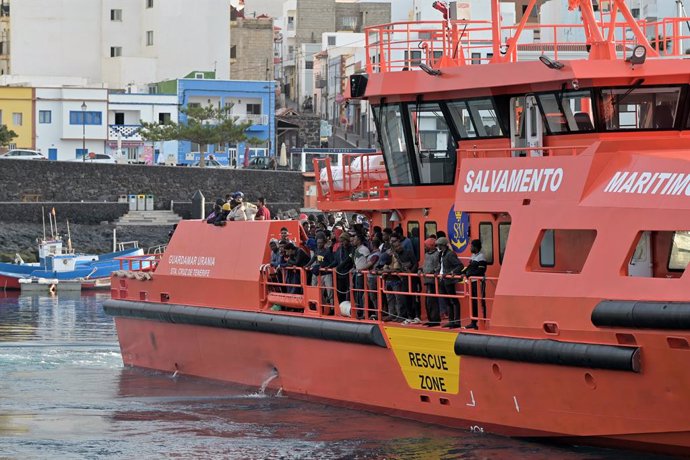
x,y
360,295
519,152
406,45
361,177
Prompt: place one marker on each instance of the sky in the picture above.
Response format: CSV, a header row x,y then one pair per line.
x,y
273,8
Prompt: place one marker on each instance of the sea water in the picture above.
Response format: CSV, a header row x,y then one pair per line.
x,y
65,394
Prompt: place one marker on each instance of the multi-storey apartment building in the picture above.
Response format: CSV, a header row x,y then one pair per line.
x,y
119,42
251,47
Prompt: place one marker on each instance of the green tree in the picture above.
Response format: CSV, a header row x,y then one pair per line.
x,y
6,135
204,126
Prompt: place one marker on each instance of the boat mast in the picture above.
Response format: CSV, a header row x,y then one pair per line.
x,y
43,218
69,238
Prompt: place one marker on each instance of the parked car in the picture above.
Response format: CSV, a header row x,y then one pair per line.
x,y
210,163
21,154
264,163
258,163
99,158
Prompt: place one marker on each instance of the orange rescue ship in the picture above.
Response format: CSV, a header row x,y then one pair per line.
x,y
574,174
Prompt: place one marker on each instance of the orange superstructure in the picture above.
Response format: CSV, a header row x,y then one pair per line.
x,y
575,177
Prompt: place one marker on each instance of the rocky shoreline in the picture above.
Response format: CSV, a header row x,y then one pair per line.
x,y
20,238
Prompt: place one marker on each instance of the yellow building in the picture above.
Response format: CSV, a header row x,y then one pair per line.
x,y
17,107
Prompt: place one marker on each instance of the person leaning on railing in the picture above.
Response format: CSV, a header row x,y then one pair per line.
x,y
450,266
476,267
361,254
297,258
372,262
431,268
343,262
322,258
408,264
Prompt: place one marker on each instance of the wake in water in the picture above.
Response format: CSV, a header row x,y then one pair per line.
x,y
262,389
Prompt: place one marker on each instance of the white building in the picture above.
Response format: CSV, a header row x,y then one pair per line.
x,y
71,121
125,114
120,42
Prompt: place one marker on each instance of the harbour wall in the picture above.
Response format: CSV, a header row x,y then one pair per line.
x,y
55,181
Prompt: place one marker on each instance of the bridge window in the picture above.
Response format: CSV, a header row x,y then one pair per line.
x,y
392,134
434,145
680,252
658,254
475,118
486,236
567,112
562,251
503,232
639,108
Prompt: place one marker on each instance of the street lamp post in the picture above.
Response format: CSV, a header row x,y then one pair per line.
x,y
83,131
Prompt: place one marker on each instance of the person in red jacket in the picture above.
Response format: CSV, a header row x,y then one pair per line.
x,y
263,213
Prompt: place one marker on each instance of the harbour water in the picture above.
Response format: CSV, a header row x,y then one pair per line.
x,y
65,394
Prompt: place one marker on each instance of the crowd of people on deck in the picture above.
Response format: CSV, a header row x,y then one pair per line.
x,y
357,257
234,207
347,259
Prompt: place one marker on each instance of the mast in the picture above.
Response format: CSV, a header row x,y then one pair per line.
x,y
69,238
43,218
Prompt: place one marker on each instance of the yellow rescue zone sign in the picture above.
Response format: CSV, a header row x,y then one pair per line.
x,y
426,358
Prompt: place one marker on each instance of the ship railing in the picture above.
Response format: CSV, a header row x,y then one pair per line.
x,y
156,250
361,177
405,45
481,292
142,263
520,152
359,295
123,245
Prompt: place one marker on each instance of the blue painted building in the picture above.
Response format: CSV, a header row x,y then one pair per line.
x,y
248,101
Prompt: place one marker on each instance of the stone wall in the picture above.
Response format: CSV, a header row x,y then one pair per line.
x,y
53,181
90,213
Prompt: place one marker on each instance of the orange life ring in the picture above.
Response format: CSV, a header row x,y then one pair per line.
x,y
52,288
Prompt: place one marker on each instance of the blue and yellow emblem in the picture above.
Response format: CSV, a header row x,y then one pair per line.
x,y
458,229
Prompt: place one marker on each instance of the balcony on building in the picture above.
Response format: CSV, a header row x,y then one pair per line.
x,y
257,121
124,132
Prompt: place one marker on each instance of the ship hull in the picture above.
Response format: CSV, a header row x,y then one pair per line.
x,y
369,377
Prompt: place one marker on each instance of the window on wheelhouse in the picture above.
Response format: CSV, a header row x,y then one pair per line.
x,y
639,108
475,118
392,134
435,147
567,112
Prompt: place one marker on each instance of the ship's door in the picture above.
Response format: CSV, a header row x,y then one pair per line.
x,y
527,129
641,261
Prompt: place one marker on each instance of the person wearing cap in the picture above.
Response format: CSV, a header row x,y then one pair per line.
x,y
475,268
450,265
431,268
239,211
217,209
